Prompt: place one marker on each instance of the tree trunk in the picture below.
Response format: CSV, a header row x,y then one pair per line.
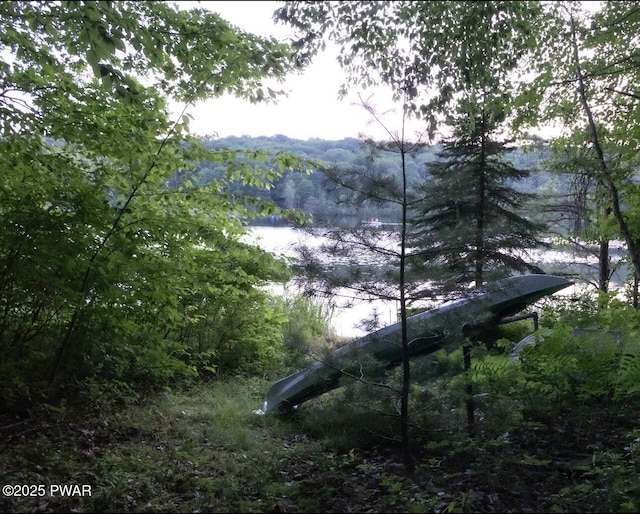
x,y
479,264
406,375
633,245
603,266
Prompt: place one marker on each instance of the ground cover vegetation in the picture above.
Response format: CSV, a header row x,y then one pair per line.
x,y
137,336
556,431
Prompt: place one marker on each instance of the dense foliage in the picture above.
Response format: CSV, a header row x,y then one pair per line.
x,y
550,438
114,271
460,67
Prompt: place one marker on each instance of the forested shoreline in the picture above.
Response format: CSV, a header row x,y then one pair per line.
x,y
310,191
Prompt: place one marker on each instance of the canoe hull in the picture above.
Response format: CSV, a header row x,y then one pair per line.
x,y
426,331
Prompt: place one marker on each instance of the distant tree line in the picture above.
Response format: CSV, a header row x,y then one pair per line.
x,y
315,194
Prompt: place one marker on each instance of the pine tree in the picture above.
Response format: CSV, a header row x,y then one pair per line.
x,y
468,226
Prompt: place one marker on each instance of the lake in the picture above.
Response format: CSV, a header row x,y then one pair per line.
x,y
347,313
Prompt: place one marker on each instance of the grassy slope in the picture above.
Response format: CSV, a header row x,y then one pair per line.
x,y
206,451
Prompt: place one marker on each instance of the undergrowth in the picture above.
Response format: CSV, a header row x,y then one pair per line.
x,y
556,431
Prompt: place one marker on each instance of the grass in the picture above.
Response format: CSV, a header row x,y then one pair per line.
x,y
201,450
205,450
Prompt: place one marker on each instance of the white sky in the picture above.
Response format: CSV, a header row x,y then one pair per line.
x,y
312,108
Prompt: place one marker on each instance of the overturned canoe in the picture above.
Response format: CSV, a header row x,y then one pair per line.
x,y
426,332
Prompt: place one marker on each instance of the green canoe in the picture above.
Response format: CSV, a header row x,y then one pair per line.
x,y
427,332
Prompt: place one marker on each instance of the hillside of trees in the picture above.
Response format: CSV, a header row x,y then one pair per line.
x,y
309,190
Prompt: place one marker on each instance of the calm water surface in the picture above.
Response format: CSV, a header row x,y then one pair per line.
x,y
347,313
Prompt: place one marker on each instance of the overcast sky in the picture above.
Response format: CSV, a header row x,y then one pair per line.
x,y
312,108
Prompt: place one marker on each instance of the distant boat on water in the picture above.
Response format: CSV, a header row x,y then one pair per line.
x,y
376,223
372,223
